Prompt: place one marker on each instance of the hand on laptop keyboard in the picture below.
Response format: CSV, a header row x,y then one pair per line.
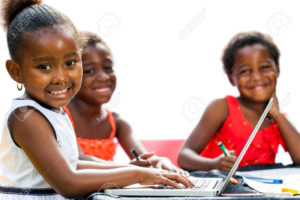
x,y
199,183
151,176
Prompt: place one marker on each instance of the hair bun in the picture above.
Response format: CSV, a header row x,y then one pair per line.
x,y
11,8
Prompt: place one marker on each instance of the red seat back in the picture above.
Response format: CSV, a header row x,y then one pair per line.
x,y
166,148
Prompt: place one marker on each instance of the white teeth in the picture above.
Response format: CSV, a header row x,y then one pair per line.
x,y
258,87
59,92
102,90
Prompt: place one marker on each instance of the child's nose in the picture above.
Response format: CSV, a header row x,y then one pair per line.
x,y
60,75
102,76
255,75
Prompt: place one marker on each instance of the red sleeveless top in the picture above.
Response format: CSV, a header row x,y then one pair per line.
x,y
234,134
102,148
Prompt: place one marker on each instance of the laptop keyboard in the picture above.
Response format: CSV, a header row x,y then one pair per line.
x,y
200,183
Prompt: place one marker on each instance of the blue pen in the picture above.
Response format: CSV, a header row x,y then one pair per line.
x,y
267,180
134,153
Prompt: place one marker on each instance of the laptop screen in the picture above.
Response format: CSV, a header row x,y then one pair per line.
x,y
251,137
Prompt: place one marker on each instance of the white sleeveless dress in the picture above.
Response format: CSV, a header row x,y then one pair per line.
x,y
18,177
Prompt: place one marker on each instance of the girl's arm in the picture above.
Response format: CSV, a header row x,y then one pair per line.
x,y
126,137
289,134
128,140
211,121
92,162
38,142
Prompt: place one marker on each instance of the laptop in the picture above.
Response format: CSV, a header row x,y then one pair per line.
x,y
203,186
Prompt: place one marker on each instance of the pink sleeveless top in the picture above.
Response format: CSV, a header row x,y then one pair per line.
x,y
235,132
101,148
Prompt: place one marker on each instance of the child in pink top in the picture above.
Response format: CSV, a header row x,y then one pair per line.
x,y
93,126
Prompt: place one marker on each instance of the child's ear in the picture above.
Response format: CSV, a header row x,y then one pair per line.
x,y
14,70
229,76
278,70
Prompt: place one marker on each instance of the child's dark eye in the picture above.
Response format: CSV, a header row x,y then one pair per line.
x,y
244,71
70,63
89,71
108,68
44,67
265,67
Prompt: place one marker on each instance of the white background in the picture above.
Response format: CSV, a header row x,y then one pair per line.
x,y
167,56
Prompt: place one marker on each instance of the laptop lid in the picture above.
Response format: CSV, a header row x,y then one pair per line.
x,y
246,146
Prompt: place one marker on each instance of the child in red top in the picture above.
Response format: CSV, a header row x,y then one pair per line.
x,y
251,62
96,127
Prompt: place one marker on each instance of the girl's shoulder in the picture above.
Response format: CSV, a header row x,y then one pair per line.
x,y
219,104
217,111
22,108
29,113
118,118
27,116
122,126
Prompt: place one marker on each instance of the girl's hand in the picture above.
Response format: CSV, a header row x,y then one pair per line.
x,y
151,176
143,160
225,163
150,160
275,107
166,164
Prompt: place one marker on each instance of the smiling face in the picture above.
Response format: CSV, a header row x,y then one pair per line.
x,y
99,80
50,66
254,73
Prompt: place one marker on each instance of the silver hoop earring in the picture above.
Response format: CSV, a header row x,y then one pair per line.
x,y
19,86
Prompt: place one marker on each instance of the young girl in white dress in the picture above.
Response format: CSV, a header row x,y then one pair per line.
x,y
38,149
